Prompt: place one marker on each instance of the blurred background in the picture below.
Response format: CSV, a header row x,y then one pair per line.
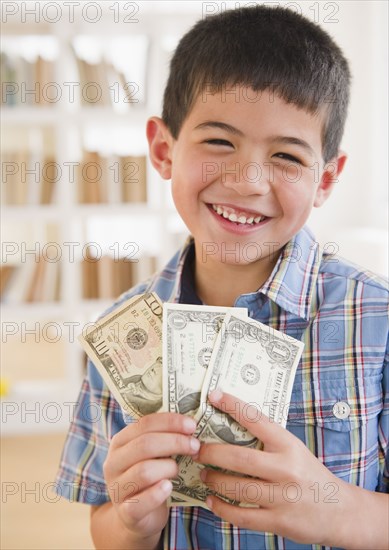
x,y
84,216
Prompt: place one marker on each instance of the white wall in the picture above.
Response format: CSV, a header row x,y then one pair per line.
x,y
355,217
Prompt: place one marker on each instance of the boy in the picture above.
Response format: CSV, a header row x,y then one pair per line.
x,y
256,98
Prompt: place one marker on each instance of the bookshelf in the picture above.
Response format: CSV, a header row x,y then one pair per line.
x,y
80,201
40,354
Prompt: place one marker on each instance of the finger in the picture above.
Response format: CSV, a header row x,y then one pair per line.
x,y
156,445
157,422
241,489
250,416
242,459
235,488
140,477
255,519
142,504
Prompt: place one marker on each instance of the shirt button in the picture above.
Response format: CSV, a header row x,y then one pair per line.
x,y
341,410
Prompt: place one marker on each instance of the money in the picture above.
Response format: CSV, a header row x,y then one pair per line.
x,y
254,363
189,332
169,357
126,348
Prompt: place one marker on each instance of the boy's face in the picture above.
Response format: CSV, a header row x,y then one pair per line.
x,y
246,170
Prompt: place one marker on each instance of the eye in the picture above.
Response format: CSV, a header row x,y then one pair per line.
x,y
219,142
286,156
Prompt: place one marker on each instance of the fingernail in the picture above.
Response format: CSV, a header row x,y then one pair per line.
x,y
166,486
195,444
189,424
215,395
203,474
208,502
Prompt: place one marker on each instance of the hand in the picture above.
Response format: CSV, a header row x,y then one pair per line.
x,y
294,494
139,467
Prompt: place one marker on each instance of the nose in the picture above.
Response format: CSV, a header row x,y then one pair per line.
x,y
246,178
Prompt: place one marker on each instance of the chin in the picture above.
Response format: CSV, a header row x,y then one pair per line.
x,y
232,253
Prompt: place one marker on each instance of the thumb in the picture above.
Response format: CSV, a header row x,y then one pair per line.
x,y
250,416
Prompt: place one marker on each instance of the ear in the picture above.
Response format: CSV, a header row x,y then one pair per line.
x,y
160,144
332,171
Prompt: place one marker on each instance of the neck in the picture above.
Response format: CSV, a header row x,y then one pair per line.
x,y
220,284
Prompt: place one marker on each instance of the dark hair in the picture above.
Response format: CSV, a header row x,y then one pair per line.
x,y
264,48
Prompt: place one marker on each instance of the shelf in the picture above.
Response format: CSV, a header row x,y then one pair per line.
x,y
64,132
44,212
113,210
28,115
54,310
37,406
54,212
35,310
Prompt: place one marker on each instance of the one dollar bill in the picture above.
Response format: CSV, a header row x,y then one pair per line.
x,y
189,333
254,363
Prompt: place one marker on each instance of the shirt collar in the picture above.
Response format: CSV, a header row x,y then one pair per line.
x,y
292,281
167,284
290,285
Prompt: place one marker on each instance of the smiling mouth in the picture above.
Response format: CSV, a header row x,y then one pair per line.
x,y
239,217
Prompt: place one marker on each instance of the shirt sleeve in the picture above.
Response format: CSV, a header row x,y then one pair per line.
x,y
383,430
97,417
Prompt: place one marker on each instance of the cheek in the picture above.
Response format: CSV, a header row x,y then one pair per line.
x,y
189,175
295,196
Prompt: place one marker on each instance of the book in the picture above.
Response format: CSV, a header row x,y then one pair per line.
x,y
89,178
49,174
44,74
105,277
50,284
7,271
133,178
34,291
109,277
89,272
19,285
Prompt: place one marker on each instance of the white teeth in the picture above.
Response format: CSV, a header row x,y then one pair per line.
x,y
235,218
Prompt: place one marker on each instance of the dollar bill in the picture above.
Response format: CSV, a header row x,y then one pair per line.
x,y
204,348
189,333
126,348
254,363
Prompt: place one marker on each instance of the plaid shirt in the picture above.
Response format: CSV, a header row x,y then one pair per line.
x,y
339,406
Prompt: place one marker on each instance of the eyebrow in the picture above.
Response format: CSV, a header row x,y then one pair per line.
x,y
220,125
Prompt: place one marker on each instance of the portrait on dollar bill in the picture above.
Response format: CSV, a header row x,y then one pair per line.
x,y
145,391
224,427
